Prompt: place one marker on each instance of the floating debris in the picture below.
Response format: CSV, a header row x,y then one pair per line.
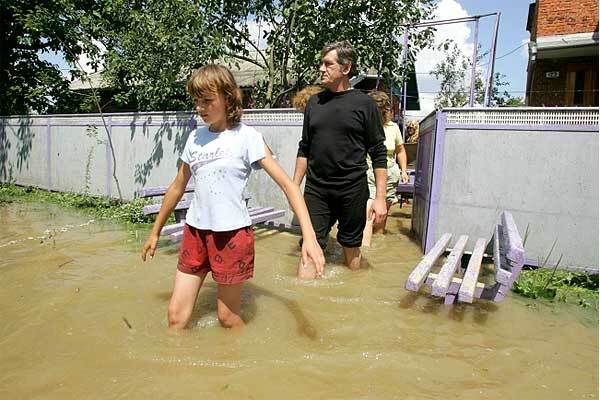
x,y
127,322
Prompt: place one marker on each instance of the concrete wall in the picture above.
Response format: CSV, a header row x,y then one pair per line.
x,y
546,175
62,153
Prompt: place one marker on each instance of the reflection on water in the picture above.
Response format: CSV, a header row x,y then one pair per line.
x,y
82,316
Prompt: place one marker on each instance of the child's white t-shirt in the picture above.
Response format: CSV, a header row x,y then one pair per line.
x,y
221,164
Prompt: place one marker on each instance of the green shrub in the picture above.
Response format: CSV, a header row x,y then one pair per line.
x,y
99,207
565,286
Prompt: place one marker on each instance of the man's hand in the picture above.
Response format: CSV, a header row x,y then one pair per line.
x,y
149,247
378,210
311,250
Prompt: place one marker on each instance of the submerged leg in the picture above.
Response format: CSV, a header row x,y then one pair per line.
x,y
229,300
352,257
185,292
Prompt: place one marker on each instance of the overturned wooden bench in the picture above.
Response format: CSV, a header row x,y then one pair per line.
x,y
175,231
508,256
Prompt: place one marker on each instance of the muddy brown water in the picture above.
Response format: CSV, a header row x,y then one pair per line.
x,y
83,317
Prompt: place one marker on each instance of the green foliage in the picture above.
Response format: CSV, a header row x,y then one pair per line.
x,y
454,73
152,46
29,28
99,207
564,286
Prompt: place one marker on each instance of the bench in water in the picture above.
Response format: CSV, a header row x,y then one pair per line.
x,y
175,231
509,258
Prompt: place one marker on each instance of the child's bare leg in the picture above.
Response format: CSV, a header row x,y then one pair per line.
x,y
229,300
352,257
307,271
185,292
368,232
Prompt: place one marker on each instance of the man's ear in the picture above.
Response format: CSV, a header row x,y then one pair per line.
x,y
346,69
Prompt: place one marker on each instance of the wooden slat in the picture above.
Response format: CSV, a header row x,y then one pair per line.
x,y
155,208
262,217
257,216
455,285
259,210
502,275
159,190
512,239
440,286
168,229
419,274
469,280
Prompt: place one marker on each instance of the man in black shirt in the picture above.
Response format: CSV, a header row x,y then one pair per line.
x,y
341,126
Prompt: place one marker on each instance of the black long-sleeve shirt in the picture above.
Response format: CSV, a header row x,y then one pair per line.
x,y
339,129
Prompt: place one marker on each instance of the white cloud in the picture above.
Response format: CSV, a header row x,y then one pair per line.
x,y
427,58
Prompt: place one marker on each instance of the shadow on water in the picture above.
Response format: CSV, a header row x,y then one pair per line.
x,y
177,130
206,303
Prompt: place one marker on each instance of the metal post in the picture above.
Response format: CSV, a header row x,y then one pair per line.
x,y
474,63
402,112
490,77
379,71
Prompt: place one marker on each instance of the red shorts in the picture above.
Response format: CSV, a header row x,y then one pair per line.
x,y
229,255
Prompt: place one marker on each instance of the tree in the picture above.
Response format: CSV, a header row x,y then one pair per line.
x,y
454,73
161,42
28,28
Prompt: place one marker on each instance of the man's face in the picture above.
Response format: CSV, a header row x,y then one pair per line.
x,y
332,73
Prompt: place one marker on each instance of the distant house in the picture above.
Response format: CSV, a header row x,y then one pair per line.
x,y
563,53
368,81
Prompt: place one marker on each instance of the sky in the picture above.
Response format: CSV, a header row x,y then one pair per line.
x,y
511,46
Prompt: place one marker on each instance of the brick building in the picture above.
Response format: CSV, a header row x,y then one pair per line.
x,y
563,53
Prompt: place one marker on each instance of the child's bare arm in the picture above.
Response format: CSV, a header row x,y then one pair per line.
x,y
172,196
310,246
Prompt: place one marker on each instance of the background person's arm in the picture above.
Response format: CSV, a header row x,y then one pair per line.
x,y
402,162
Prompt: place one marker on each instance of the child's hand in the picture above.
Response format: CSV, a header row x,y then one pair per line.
x,y
149,247
311,250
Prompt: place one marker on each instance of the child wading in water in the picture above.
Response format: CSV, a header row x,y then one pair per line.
x,y
218,235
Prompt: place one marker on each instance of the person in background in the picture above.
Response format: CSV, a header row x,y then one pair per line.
x,y
301,97
396,156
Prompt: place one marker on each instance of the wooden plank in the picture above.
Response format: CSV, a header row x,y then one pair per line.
x,y
168,229
155,208
159,190
259,210
513,245
419,274
259,215
502,275
440,286
455,285
469,280
262,217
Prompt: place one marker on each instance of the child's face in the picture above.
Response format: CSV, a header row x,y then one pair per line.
x,y
211,107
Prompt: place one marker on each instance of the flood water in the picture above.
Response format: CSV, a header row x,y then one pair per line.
x,y
83,317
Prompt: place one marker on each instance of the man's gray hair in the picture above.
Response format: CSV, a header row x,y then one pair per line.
x,y
345,53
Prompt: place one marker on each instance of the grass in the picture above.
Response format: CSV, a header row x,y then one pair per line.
x,y
99,207
559,285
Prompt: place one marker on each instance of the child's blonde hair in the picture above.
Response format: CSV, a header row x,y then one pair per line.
x,y
214,78
383,103
301,98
